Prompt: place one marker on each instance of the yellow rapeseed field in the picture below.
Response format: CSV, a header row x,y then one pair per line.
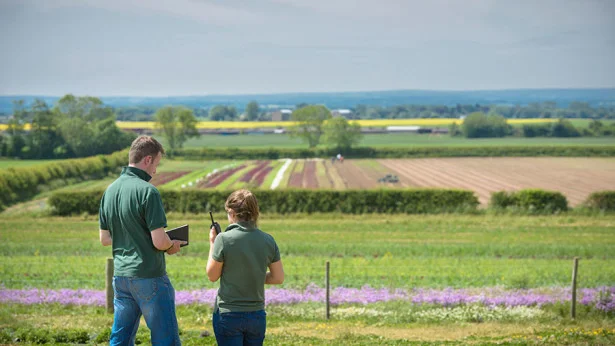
x,y
270,124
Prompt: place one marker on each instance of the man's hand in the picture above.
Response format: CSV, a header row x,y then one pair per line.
x,y
175,248
212,235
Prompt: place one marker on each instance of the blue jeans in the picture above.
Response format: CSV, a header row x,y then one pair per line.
x,y
155,299
240,328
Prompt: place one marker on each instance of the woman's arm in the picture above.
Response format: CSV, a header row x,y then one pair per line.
x,y
214,268
275,275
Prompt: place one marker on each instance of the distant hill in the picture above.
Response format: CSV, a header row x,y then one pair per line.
x,y
595,97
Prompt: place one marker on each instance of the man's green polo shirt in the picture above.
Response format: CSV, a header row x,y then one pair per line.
x,y
130,209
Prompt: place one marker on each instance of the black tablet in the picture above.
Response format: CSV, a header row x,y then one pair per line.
x,y
179,233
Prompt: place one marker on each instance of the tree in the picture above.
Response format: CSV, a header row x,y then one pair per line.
x,y
4,147
252,111
596,127
309,121
83,123
110,138
340,133
564,128
479,125
454,130
15,129
44,136
176,124
222,113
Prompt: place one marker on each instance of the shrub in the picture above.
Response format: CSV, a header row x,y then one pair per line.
x,y
564,128
103,336
536,130
530,200
602,200
45,336
501,199
417,201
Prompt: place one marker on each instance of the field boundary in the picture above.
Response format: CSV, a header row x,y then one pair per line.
x,y
396,152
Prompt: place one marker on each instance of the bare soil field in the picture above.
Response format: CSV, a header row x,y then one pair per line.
x,y
576,178
355,177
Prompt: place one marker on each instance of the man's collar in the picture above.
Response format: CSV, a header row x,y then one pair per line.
x,y
136,171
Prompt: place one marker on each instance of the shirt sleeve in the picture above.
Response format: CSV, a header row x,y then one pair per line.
x,y
102,219
154,211
218,253
276,253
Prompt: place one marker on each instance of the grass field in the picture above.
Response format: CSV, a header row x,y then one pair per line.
x,y
386,140
425,251
382,251
8,163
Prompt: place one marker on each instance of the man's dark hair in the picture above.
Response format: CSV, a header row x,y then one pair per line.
x,y
144,146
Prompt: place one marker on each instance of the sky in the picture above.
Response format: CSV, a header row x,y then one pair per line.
x,y
201,47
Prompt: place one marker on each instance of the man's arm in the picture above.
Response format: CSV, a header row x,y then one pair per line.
x,y
275,275
161,239
162,242
105,237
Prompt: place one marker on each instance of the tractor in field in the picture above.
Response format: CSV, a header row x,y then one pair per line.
x,y
389,178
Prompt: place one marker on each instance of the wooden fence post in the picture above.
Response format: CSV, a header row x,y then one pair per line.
x,y
573,310
327,290
109,285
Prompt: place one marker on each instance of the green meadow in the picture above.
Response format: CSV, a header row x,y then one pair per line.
x,y
392,251
385,251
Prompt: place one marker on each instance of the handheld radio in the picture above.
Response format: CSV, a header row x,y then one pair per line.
x,y
214,224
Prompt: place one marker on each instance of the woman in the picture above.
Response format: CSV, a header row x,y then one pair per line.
x,y
239,257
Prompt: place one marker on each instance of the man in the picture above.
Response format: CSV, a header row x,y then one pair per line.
x,y
132,220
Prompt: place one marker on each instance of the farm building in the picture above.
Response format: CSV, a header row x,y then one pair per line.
x,y
281,115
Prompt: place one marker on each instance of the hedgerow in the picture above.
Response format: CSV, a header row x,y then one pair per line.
x,y
530,200
419,201
20,184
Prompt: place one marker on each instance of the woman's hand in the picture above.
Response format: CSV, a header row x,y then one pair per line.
x,y
212,235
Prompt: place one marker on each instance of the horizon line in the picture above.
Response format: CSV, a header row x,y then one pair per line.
x,y
318,92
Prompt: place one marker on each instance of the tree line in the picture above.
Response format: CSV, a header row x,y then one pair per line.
x,y
254,112
73,127
314,125
481,125
84,126
547,110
